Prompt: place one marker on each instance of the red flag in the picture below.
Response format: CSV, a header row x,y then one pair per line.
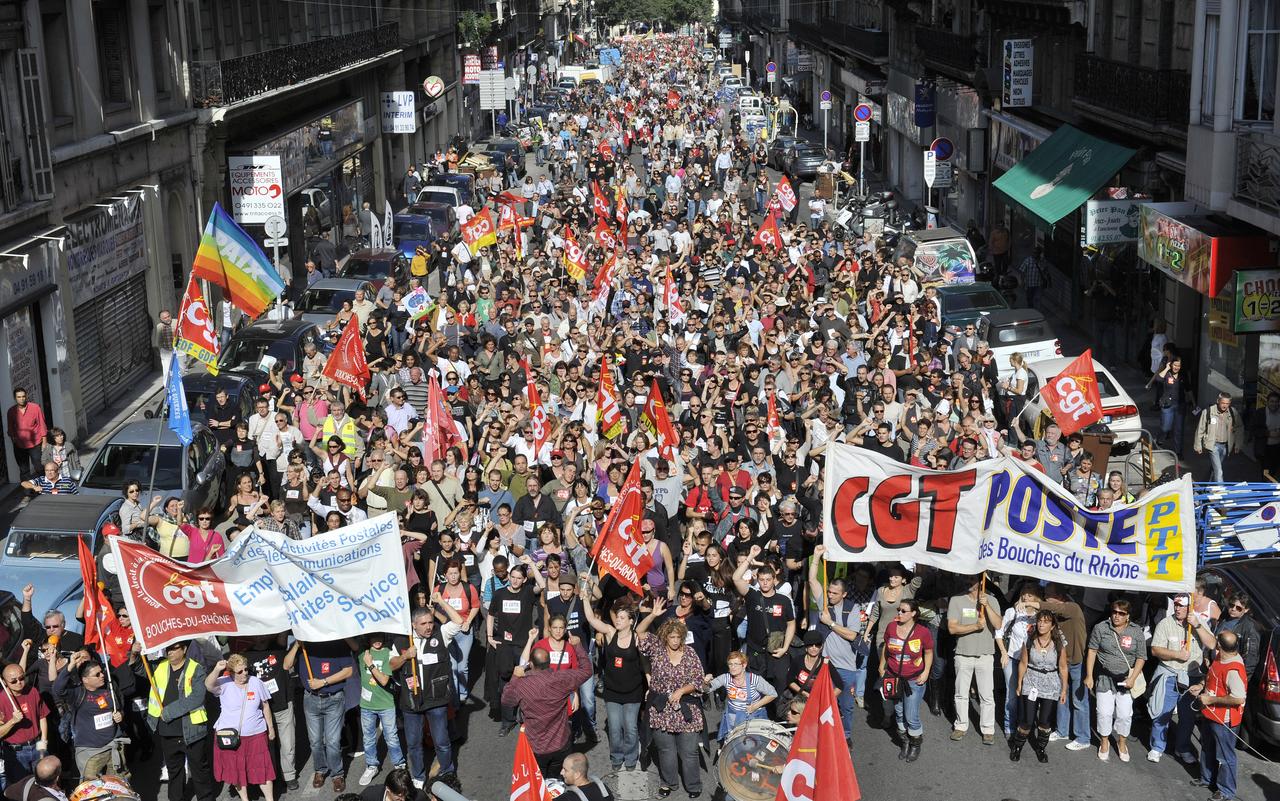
x,y
117,638
1072,396
347,364
89,576
768,235
606,152
508,197
605,237
673,99
608,413
786,194
526,777
773,424
575,259
671,300
439,434
537,414
619,550
506,217
599,203
479,231
658,421
621,211
819,765
194,334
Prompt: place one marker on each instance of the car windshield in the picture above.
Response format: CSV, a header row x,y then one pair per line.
x,y
411,229
367,268
119,464
804,151
198,404
324,300
60,545
973,301
439,219
243,353
437,195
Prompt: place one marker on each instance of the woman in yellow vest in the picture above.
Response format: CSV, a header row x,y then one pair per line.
x,y
175,712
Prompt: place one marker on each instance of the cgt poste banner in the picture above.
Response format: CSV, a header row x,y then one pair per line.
x,y
1004,515
342,583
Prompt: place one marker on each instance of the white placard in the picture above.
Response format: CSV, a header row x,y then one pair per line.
x,y
257,188
862,132
399,113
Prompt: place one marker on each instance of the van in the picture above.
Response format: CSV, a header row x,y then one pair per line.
x,y
750,104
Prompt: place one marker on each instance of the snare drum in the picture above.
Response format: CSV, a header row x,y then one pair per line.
x,y
752,759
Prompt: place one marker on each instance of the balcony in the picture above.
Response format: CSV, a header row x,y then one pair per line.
x,y
1147,97
867,44
1257,181
231,80
765,19
954,54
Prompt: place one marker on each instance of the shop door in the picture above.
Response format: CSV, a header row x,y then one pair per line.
x,y
113,344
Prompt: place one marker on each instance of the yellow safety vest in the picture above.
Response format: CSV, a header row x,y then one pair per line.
x,y
161,674
347,433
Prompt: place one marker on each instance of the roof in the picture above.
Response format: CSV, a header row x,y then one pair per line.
x,y
430,205
340,284
147,432
369,254
274,328
233,381
966,289
1057,364
1014,316
935,234
64,512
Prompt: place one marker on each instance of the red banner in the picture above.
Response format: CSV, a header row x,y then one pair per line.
x,y
673,99
819,765
194,333
347,365
439,434
786,195
619,550
526,777
479,231
605,237
608,413
658,421
671,300
599,203
575,259
768,235
1073,397
537,414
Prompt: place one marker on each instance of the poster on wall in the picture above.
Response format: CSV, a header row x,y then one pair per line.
x,y
257,188
1110,222
20,358
105,248
1257,302
1018,68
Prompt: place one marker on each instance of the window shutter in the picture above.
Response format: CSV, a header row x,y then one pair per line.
x,y
34,121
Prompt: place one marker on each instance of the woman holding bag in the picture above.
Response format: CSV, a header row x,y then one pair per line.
x,y
1113,672
242,733
906,657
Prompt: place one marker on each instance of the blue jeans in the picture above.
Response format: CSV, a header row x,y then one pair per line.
x,y
459,656
1010,697
855,683
324,715
1218,455
1171,425
1079,706
438,719
586,715
1186,719
369,720
624,733
1218,756
19,763
907,708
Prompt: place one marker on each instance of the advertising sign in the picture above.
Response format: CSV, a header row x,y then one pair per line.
x,y
926,104
1109,222
399,115
105,248
1019,65
1257,302
1005,515
257,188
471,68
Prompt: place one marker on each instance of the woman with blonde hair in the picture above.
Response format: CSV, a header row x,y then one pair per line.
x,y
244,729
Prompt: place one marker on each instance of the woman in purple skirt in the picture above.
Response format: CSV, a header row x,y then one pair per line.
x,y
244,700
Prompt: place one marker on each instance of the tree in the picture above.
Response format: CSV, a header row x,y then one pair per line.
x,y
474,28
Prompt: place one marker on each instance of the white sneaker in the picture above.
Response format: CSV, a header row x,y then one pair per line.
x,y
1076,745
164,773
1104,755
1055,737
418,783
1153,756
369,773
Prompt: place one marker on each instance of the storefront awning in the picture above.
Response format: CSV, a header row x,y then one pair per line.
x,y
1198,249
1062,173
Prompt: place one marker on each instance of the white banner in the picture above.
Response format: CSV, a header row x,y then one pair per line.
x,y
1004,515
342,583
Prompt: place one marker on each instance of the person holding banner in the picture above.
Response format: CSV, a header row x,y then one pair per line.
x,y
971,619
327,666
426,692
176,713
81,685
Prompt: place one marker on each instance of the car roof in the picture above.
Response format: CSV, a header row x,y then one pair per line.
x,y
148,432
408,216
233,381
1014,317
64,512
274,328
431,205
369,254
934,234
966,289
349,284
1057,364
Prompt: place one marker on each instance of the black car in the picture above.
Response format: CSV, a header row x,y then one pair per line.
x,y
803,160
201,388
375,266
504,144
777,152
444,219
259,347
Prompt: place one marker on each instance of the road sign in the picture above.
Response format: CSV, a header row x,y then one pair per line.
x,y
943,148
493,90
930,168
433,86
275,242
862,112
275,226
771,67
772,77
825,100
942,176
862,131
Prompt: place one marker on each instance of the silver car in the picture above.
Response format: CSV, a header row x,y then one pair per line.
x,y
148,452
321,302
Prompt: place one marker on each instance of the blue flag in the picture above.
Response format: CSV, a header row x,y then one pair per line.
x,y
179,414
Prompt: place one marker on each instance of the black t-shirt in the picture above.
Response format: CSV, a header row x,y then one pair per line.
x,y
783,533
767,615
800,547
572,611
268,666
872,443
512,612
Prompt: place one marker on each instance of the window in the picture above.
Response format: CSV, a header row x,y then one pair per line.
x,y
1209,68
112,27
161,64
57,61
1256,89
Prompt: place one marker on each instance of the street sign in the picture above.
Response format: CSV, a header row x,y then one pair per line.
x,y
771,67
399,114
275,242
511,89
930,168
862,112
433,86
825,100
862,131
726,40
275,226
943,148
493,90
942,176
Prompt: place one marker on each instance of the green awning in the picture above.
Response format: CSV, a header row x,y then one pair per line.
x,y
1062,173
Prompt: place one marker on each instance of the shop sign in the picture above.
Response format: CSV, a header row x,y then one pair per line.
x,y
926,104
105,248
490,59
20,336
1109,222
1173,246
1019,66
20,283
257,188
398,113
1196,250
471,68
1257,302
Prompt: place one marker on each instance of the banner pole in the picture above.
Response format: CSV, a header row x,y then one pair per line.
x,y
306,661
413,663
151,678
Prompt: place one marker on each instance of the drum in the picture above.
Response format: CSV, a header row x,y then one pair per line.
x,y
752,758
104,788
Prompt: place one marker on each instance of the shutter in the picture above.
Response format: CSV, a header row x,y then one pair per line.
x,y
35,123
113,344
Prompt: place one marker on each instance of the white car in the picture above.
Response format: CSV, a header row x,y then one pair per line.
x,y
1025,331
1119,410
733,82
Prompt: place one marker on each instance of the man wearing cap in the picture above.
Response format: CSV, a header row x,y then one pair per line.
x,y
736,511
1178,644
732,476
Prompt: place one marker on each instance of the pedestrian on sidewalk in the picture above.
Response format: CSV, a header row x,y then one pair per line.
x,y
1174,397
1035,275
25,425
1218,431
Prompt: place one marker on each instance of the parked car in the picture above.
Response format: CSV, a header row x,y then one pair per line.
x,y
41,548
321,301
375,266
444,220
803,160
1119,409
1259,579
256,348
195,472
410,232
464,182
778,150
567,84
506,145
439,194
1023,331
965,303
201,387
732,81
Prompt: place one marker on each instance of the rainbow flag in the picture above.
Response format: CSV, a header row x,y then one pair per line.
x,y
230,258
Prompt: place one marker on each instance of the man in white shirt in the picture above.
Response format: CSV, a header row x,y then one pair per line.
x,y
399,412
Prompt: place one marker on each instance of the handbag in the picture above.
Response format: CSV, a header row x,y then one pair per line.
x,y
1140,683
893,688
229,739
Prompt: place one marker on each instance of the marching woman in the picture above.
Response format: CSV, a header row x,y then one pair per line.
x,y
906,656
242,752
1042,685
622,677
747,694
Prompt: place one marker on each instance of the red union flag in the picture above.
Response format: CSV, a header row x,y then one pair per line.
x,y
768,236
506,217
479,231
605,237
673,99
537,414
347,364
169,600
194,334
785,194
599,203
819,765
1072,396
527,783
575,260
608,414
619,550
671,299
438,431
658,421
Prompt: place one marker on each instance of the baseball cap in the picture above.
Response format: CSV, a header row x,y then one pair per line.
x,y
296,379
812,637
1182,599
737,492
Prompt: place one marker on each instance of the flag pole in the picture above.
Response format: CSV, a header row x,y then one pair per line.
x,y
146,666
155,455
